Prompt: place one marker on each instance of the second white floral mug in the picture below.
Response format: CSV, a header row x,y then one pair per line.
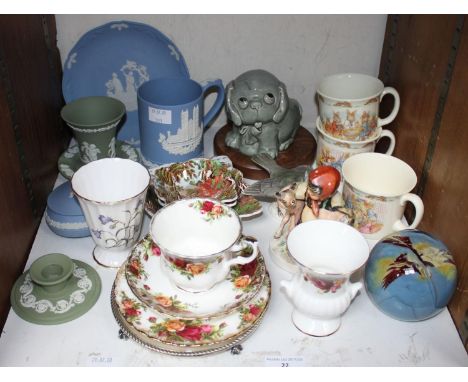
x,y
349,105
333,151
377,188
200,239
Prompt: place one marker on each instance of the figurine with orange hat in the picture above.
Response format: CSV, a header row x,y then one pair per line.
x,y
322,201
316,198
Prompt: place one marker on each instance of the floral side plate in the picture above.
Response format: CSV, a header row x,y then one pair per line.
x,y
150,285
185,336
69,162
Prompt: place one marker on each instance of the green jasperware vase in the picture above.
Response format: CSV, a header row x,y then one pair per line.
x,y
94,122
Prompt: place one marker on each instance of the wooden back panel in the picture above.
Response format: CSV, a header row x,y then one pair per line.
x,y
31,134
425,58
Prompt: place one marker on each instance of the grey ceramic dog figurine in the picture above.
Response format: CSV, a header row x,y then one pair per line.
x,y
264,119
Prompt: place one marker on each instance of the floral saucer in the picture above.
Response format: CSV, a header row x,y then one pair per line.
x,y
185,337
246,206
69,162
35,304
149,283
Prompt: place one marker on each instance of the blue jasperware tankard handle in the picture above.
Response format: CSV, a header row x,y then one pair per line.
x,y
206,86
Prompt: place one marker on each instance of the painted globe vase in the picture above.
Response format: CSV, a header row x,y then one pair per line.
x,y
410,275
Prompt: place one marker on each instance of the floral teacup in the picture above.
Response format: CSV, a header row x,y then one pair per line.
x,y
200,239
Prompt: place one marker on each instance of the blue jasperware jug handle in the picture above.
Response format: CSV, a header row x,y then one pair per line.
x,y
207,85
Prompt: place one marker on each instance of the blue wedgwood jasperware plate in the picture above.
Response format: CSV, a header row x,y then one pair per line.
x,y
114,60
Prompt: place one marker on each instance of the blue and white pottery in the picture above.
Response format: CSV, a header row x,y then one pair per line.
x,y
410,275
172,119
114,60
64,215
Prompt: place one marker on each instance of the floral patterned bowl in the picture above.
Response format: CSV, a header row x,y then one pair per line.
x,y
208,178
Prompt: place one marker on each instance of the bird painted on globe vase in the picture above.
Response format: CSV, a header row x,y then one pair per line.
x,y
425,258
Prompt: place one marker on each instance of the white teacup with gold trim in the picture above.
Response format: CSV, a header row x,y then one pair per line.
x,y
349,105
200,239
377,188
333,151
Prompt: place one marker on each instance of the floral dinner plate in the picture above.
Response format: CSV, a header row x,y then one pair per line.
x,y
148,283
181,336
69,162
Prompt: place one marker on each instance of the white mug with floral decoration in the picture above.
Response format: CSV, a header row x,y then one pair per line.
x,y
349,105
333,151
321,292
377,188
200,239
112,193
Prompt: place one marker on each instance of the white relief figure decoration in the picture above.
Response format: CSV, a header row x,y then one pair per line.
x,y
174,52
188,136
71,60
134,76
71,152
65,169
130,152
111,151
119,27
89,152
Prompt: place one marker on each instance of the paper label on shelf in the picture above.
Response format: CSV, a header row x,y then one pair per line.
x,y
98,360
284,361
160,115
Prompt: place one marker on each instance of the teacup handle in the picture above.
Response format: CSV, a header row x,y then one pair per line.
x,y
239,247
396,106
207,85
419,208
391,137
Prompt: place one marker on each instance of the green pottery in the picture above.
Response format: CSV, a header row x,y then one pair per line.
x,y
70,161
94,121
66,290
51,271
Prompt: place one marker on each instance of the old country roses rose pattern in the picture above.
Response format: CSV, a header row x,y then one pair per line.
x,y
147,282
210,210
183,332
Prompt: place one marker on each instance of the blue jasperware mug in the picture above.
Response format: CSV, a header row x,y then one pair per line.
x,y
172,119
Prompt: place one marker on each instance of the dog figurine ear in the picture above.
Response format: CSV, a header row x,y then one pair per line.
x,y
233,113
283,104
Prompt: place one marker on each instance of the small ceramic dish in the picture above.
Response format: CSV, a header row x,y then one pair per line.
x,y
246,206
207,178
56,289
